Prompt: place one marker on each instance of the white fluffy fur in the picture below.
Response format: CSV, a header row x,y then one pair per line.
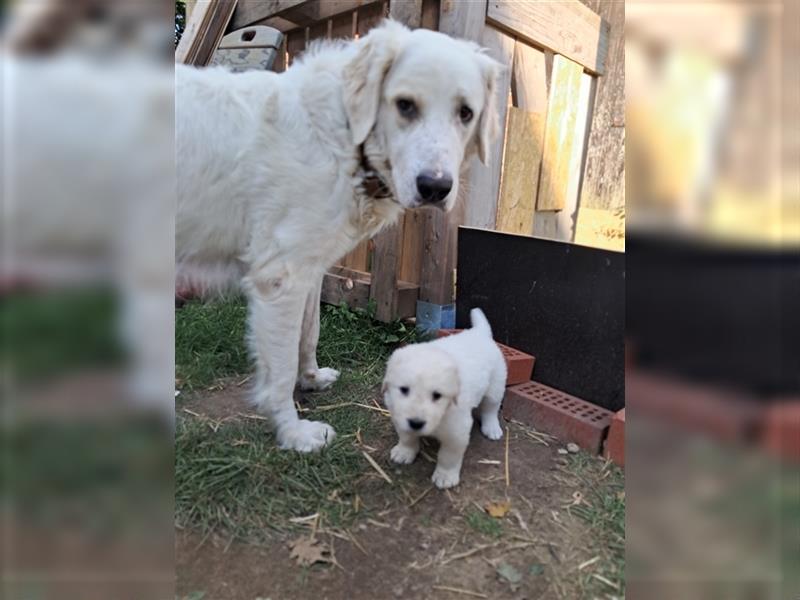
x,y
468,371
268,173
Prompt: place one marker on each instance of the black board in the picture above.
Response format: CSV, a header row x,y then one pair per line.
x,y
563,303
716,314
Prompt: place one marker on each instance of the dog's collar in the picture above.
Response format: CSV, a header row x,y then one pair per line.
x,y
372,184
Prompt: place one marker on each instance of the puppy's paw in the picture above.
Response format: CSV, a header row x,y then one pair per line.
x,y
444,479
492,429
315,381
305,436
403,455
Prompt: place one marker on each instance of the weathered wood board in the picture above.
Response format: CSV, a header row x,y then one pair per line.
x,y
566,27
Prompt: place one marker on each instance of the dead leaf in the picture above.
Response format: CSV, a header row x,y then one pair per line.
x,y
498,510
307,551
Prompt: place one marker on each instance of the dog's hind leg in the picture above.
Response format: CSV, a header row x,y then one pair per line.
x,y
490,406
276,314
311,377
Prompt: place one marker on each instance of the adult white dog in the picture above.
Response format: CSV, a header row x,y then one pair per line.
x,y
281,175
432,388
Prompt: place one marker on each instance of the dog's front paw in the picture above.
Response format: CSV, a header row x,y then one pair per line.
x,y
305,436
321,379
444,479
403,454
492,429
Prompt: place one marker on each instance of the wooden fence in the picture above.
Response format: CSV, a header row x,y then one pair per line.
x,y
558,165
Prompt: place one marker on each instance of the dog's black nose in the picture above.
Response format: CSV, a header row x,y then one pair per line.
x,y
433,189
416,424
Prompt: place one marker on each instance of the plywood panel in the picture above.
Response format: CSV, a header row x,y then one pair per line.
x,y
484,180
523,156
566,27
559,140
601,228
560,225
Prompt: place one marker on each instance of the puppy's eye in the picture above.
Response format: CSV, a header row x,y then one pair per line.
x,y
465,114
407,108
404,390
436,395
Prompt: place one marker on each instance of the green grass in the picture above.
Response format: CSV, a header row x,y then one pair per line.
x,y
484,524
235,481
604,512
47,334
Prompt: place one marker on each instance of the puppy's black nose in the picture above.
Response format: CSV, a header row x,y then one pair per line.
x,y
432,188
416,424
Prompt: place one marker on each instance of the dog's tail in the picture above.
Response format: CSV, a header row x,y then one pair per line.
x,y
480,322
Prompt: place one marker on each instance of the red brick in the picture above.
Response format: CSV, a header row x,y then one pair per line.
x,y
562,415
781,433
519,364
717,412
615,442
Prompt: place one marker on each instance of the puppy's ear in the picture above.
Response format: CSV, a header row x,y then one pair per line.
x,y
364,75
488,126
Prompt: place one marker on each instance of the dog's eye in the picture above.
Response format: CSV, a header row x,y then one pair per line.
x,y
404,390
436,395
465,114
407,108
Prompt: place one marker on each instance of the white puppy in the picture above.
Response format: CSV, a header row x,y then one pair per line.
x,y
431,389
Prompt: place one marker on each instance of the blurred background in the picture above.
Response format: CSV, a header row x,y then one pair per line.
x,y
713,290
86,299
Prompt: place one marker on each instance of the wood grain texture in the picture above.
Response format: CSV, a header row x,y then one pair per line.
x,y
343,288
560,225
604,177
204,30
559,138
601,228
523,156
566,27
249,12
484,180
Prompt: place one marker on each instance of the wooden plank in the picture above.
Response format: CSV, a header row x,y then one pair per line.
x,y
601,228
566,27
408,12
203,32
484,180
523,157
295,44
430,15
604,177
369,16
407,296
559,137
279,66
523,151
249,12
411,257
340,288
560,225
358,257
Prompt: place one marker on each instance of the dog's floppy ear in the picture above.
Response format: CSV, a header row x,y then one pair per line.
x,y
488,126
364,75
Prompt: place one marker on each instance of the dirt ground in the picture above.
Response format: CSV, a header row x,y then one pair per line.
x,y
410,540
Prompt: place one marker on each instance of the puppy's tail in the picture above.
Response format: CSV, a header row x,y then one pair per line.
x,y
480,322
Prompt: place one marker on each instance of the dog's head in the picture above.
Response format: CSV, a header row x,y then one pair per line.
x,y
429,101
420,385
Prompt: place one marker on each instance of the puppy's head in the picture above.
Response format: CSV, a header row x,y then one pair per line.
x,y
429,101
421,383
